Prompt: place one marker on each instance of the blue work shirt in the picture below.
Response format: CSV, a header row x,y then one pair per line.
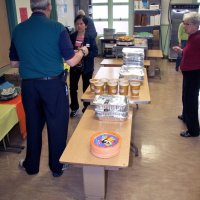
x,y
40,44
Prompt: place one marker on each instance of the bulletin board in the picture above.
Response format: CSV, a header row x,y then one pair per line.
x,y
4,35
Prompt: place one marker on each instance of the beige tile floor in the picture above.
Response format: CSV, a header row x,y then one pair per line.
x,y
167,167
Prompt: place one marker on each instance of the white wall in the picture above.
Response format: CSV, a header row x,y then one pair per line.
x,y
22,4
66,18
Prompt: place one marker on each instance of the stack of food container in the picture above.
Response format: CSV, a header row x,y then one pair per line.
x,y
133,68
111,107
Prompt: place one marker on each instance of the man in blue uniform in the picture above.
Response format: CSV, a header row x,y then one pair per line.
x,y
38,47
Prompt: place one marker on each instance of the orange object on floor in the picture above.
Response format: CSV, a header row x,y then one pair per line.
x,y
20,113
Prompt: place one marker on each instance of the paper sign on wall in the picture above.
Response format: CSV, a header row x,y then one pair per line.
x,y
62,10
23,14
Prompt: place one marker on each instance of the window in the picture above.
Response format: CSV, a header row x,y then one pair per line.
x,y
120,1
111,14
100,12
99,1
120,12
100,26
120,26
120,18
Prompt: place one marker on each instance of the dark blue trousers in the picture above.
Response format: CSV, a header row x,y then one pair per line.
x,y
75,74
45,101
183,98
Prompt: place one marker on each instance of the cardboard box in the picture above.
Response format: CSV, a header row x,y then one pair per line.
x,y
156,38
157,19
137,19
144,20
152,20
140,20
153,7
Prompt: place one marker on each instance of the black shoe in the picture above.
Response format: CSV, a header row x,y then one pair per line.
x,y
21,166
57,174
74,113
83,110
64,167
181,117
187,134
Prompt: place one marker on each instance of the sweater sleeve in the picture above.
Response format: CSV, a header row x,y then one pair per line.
x,y
66,46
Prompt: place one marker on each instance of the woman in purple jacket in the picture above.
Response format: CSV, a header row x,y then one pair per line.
x,y
190,67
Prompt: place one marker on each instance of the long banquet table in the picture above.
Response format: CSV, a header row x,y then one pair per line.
x,y
118,62
17,102
113,72
77,151
8,118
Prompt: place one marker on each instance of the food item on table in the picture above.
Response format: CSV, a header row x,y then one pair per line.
x,y
111,107
132,74
125,38
8,91
105,144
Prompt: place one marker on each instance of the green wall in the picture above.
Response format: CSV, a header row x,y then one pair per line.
x,y
165,30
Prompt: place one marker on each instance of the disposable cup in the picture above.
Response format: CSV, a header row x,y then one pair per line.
x,y
105,87
135,88
98,87
113,86
92,81
123,87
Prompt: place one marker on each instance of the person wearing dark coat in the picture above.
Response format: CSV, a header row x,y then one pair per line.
x,y
90,30
86,67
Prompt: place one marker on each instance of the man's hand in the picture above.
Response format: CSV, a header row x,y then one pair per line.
x,y
14,63
177,49
84,50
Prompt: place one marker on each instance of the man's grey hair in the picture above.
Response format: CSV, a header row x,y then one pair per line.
x,y
39,4
192,17
81,12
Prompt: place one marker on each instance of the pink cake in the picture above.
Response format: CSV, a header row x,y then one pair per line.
x,y
105,144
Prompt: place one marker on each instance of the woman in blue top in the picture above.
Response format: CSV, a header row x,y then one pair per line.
x,y
86,67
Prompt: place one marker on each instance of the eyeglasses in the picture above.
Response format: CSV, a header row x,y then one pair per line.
x,y
187,24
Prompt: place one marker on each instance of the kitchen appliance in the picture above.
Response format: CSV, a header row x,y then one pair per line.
x,y
176,12
137,43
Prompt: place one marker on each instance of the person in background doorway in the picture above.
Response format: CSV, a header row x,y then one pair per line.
x,y
86,67
90,30
190,67
38,47
182,39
